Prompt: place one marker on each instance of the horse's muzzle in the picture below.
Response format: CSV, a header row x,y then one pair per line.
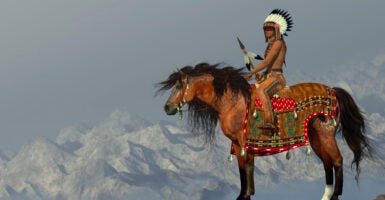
x,y
170,109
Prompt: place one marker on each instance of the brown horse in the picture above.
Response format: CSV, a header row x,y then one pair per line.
x,y
222,94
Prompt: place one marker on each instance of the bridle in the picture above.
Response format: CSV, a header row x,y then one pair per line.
x,y
183,100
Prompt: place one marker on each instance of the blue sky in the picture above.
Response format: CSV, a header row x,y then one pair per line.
x,y
68,62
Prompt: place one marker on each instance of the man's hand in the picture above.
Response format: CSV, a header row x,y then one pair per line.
x,y
248,76
258,77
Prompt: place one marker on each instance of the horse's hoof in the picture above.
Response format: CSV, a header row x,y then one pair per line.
x,y
334,198
243,198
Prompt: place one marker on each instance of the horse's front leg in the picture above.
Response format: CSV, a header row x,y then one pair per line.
x,y
246,173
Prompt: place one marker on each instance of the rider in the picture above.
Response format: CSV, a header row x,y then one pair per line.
x,y
275,26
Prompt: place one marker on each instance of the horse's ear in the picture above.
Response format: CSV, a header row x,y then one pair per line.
x,y
181,72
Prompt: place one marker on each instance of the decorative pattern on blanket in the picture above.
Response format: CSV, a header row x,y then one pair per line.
x,y
293,108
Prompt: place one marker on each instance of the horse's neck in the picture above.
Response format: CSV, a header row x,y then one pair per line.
x,y
204,90
223,105
231,107
231,102
232,112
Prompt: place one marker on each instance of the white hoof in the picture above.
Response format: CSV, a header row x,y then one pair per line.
x,y
328,192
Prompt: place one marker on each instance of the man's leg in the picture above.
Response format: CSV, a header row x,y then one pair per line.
x,y
264,91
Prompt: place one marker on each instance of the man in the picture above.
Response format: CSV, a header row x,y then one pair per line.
x,y
275,26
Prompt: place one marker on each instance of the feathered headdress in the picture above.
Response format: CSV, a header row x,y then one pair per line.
x,y
280,20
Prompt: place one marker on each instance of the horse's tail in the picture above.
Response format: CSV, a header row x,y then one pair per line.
x,y
352,127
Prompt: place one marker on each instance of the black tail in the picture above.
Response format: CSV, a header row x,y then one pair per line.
x,y
352,127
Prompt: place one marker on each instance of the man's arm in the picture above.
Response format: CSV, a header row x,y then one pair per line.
x,y
269,59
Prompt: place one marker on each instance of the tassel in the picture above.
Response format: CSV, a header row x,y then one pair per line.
x,y
288,155
180,114
308,150
243,151
277,31
230,158
255,114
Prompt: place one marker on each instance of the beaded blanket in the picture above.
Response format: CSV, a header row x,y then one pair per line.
x,y
293,108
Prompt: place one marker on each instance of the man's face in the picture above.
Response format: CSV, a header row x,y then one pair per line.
x,y
269,31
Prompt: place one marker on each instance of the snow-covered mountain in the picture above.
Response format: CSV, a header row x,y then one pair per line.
x,y
127,157
363,77
118,160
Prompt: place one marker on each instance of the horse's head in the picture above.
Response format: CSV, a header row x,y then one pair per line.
x,y
203,87
180,94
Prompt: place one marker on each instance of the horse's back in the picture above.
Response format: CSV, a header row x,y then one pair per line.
x,y
304,91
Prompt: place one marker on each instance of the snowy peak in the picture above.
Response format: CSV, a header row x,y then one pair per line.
x,y
5,155
124,121
112,160
364,76
109,161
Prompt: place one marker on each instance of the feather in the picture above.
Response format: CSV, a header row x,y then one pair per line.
x,y
246,59
248,67
282,18
258,57
251,54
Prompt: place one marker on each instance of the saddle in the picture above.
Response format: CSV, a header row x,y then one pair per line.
x,y
293,107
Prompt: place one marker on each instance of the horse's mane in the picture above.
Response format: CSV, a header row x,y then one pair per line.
x,y
201,117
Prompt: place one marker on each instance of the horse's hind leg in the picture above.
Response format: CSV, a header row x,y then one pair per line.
x,y
336,157
328,166
322,139
336,163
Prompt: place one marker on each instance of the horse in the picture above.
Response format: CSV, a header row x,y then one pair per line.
x,y
221,93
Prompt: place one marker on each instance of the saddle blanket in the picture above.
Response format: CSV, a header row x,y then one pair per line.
x,y
293,108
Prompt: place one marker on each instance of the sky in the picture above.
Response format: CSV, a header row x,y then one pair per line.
x,y
69,62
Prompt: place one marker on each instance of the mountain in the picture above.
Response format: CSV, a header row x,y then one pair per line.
x,y
115,160
362,77
127,157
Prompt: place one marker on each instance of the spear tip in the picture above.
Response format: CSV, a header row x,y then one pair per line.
x,y
240,43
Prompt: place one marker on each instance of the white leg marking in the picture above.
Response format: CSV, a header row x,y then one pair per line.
x,y
328,192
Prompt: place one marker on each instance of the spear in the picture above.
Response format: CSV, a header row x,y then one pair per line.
x,y
248,55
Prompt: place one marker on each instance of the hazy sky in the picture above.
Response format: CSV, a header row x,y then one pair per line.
x,y
69,62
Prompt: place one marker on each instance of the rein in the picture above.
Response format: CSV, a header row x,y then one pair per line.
x,y
195,110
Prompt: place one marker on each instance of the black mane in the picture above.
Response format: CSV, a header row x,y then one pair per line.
x,y
201,117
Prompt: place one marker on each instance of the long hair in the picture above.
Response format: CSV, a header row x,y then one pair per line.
x,y
202,118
